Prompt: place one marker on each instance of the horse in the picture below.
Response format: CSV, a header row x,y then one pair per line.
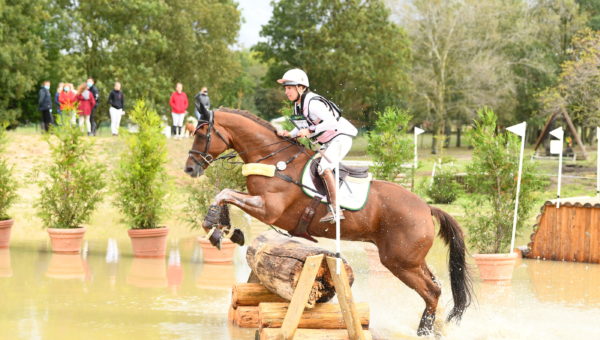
x,y
396,220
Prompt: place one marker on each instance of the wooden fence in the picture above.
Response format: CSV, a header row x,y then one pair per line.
x,y
569,233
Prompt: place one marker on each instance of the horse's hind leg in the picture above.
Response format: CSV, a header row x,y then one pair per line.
x,y
419,278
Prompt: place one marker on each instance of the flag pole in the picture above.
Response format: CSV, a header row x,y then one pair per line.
x,y
520,130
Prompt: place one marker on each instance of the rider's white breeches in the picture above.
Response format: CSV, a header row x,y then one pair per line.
x,y
334,151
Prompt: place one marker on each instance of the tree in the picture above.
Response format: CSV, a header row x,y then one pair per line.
x,y
22,57
351,51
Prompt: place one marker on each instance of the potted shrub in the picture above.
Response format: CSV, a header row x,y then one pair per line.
x,y
71,188
8,193
217,177
444,189
492,175
141,183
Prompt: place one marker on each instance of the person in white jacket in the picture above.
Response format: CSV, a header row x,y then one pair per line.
x,y
319,119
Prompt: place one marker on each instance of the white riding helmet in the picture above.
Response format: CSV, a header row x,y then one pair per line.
x,y
293,77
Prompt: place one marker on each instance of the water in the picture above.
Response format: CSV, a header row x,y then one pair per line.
x,y
106,294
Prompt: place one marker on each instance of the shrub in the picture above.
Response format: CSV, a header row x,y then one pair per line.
x,y
444,189
8,185
73,185
389,145
218,176
492,175
141,180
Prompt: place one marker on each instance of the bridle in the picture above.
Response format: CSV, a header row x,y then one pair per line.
x,y
207,158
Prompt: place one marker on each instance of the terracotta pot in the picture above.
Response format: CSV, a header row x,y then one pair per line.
x,y
66,266
149,242
5,227
211,254
66,241
496,268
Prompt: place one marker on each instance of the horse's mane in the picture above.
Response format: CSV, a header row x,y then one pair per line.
x,y
250,116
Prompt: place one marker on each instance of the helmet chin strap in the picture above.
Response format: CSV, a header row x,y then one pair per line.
x,y
300,89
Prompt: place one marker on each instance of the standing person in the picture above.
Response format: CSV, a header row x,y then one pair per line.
x,y
94,90
320,120
201,98
67,99
59,89
86,100
117,103
179,105
45,104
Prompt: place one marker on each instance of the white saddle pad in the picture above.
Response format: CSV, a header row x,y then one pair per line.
x,y
352,194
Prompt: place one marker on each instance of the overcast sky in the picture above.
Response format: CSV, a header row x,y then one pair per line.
x,y
255,13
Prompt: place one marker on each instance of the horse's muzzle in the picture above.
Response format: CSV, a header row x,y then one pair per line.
x,y
194,170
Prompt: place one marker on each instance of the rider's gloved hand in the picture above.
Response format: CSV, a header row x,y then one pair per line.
x,y
303,133
283,133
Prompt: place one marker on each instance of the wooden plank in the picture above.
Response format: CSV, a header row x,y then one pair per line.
x,y
246,317
595,236
587,237
300,297
322,316
344,294
311,334
575,134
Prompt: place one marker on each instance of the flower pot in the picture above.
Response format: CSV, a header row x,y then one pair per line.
x,y
66,241
149,242
496,268
66,266
5,264
5,227
211,254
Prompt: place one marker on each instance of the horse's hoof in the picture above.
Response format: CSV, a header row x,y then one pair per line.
x,y
237,237
212,216
215,238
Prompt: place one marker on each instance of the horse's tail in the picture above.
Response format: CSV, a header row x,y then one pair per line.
x,y
460,280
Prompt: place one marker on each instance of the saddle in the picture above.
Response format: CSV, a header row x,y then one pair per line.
x,y
345,171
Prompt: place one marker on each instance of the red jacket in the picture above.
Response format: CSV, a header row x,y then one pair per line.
x,y
178,102
86,106
66,99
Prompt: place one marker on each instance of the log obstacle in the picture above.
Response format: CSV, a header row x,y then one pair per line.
x,y
568,233
277,262
308,275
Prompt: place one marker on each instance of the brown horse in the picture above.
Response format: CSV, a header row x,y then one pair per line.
x,y
397,221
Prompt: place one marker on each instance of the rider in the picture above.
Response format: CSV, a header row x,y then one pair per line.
x,y
321,121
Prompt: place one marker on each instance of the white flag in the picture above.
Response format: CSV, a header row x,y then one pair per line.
x,y
558,133
518,129
418,131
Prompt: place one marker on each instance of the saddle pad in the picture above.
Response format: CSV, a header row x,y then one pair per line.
x,y
352,194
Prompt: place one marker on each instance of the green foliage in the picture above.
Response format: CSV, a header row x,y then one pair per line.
x,y
492,175
351,50
389,145
8,184
444,189
73,185
141,180
218,176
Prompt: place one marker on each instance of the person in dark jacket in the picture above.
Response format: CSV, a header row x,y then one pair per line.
x,y
94,90
116,101
201,99
45,104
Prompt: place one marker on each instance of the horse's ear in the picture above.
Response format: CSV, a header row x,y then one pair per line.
x,y
205,115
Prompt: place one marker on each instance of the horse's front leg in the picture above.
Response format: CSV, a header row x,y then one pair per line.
x,y
256,206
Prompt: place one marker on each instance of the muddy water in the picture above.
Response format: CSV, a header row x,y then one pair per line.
x,y
106,294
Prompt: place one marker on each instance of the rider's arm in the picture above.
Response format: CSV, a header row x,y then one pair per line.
x,y
320,112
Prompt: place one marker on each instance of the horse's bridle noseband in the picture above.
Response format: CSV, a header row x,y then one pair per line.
x,y
206,157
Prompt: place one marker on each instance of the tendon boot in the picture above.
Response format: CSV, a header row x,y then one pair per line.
x,y
329,181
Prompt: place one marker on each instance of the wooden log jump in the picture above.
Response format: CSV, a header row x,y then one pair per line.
x,y
569,233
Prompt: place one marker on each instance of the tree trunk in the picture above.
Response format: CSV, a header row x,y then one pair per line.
x,y
313,334
278,261
323,316
252,294
458,135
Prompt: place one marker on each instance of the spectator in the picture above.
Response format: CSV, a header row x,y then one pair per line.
x,y
86,100
94,90
116,102
45,104
67,99
201,99
59,89
179,105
